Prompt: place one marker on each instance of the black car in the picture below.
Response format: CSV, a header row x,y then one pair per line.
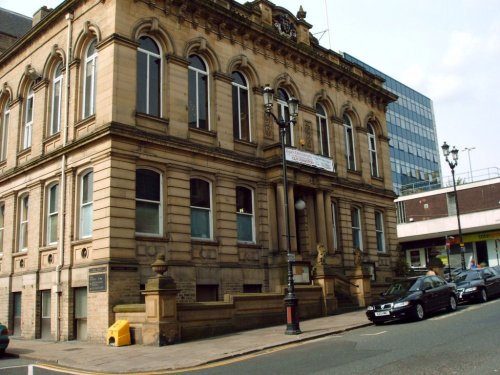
x,y
477,284
413,298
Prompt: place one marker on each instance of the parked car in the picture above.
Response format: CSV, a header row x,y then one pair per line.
x,y
413,298
477,284
4,338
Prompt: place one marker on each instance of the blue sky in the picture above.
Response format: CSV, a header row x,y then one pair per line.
x,y
449,50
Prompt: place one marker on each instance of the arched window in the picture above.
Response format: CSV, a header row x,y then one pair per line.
x,y
372,150
2,221
148,77
4,129
244,214
52,213
284,113
86,204
28,118
349,143
23,223
379,231
198,93
89,82
201,209
241,116
335,226
357,240
322,125
57,81
148,202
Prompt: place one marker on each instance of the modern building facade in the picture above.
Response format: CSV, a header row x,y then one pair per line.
x,y
428,224
413,140
132,129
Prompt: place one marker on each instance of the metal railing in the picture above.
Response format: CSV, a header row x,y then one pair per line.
x,y
461,179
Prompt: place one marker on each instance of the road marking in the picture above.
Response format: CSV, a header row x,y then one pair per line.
x,y
374,334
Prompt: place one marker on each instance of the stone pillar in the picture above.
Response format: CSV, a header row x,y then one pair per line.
x,y
161,326
362,278
321,219
324,277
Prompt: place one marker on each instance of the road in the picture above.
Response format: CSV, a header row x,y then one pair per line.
x,y
464,342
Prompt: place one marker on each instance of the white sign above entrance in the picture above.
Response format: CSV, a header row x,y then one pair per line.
x,y
307,158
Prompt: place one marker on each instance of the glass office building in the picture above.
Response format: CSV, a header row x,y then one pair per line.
x,y
412,131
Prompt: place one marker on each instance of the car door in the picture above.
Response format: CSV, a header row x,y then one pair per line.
x,y
429,296
491,281
442,292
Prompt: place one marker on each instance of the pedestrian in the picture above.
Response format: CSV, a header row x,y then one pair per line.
x,y
430,271
473,264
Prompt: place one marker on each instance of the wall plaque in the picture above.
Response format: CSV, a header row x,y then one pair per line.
x,y
97,282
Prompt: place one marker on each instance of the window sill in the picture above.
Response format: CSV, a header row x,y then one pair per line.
x,y
204,241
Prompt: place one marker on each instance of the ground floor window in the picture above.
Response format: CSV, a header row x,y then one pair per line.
x,y
207,292
80,295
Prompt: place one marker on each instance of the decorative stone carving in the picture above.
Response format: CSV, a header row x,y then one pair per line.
x,y
284,26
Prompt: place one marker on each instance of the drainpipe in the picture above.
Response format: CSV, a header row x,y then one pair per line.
x,y
62,197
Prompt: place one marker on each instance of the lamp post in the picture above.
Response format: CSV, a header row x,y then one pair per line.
x,y
291,301
453,163
469,149
448,249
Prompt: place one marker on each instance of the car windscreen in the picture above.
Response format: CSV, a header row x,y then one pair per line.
x,y
402,287
467,276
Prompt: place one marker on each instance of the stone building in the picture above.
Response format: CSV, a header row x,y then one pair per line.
x,y
136,128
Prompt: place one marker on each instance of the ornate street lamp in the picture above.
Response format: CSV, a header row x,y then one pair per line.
x,y
453,163
291,301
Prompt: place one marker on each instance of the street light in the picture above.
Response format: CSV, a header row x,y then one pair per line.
x,y
291,301
448,249
469,149
453,163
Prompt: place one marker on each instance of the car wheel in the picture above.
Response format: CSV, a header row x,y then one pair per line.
x,y
419,312
453,304
483,297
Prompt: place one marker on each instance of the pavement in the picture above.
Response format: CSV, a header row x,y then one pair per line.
x,y
136,359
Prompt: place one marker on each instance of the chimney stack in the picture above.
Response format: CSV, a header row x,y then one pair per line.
x,y
40,15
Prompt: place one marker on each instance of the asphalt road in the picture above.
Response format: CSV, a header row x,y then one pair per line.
x,y
464,342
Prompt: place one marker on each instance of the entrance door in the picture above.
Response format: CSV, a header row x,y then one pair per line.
x,y
45,315
80,313
482,252
17,314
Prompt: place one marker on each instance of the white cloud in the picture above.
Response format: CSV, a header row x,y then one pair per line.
x,y
462,46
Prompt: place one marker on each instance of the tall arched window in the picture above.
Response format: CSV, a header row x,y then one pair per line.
x,y
148,202
379,230
2,220
28,118
284,113
86,204
198,93
244,214
201,209
148,77
55,123
241,116
4,129
357,240
52,213
322,125
372,150
23,223
89,82
349,143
